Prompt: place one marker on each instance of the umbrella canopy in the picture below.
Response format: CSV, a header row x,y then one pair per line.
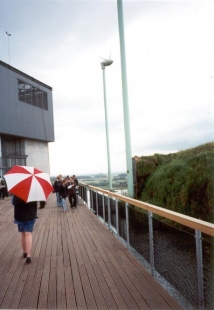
x,y
28,183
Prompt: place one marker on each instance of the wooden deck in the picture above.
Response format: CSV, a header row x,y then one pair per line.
x,y
76,264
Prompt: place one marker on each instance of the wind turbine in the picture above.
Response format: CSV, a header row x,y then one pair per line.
x,y
107,62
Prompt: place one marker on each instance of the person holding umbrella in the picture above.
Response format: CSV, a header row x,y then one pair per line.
x,y
25,215
28,185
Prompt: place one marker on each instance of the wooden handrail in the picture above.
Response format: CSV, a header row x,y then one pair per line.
x,y
205,227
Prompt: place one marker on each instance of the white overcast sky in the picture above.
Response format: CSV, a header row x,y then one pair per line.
x,y
170,74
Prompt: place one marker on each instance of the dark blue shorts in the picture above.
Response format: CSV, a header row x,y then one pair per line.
x,y
25,226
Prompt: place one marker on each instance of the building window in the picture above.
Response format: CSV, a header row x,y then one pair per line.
x,y
32,95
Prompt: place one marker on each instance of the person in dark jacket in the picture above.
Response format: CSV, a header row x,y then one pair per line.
x,y
63,194
76,182
2,188
25,215
71,188
57,185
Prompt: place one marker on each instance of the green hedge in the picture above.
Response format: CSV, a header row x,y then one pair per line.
x,y
182,182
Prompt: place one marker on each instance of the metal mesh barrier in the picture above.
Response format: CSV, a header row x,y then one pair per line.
x,y
93,201
139,232
83,193
122,220
208,259
175,258
100,205
106,208
113,213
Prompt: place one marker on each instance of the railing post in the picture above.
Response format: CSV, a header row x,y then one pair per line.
x,y
88,203
81,192
109,218
91,199
127,224
117,219
199,257
104,216
151,242
97,203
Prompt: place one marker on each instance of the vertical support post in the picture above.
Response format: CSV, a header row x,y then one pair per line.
x,y
85,195
125,101
117,218
127,224
97,203
82,191
199,257
88,197
91,199
151,242
109,214
107,131
103,201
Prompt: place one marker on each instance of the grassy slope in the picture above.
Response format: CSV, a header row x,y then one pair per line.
x,y
182,181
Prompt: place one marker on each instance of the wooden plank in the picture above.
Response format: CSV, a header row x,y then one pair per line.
x,y
12,286
60,288
76,257
18,291
104,287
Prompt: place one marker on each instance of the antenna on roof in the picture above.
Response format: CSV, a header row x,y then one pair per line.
x,y
8,35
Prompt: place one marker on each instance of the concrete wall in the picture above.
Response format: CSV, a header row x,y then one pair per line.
x,y
38,154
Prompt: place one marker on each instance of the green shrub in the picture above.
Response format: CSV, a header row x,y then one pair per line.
x,y
182,182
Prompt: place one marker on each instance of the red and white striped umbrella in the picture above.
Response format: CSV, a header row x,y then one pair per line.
x,y
28,183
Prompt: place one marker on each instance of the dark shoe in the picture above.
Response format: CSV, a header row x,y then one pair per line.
x,y
28,260
24,255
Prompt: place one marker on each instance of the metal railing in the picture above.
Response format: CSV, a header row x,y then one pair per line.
x,y
173,246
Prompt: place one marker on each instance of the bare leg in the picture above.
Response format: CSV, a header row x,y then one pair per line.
x,y
26,239
23,242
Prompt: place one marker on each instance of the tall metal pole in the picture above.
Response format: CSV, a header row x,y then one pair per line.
x,y
103,64
8,35
125,101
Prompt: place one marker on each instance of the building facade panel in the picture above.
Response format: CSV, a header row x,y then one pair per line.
x,y
25,118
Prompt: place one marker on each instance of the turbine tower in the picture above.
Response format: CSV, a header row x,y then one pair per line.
x,y
107,62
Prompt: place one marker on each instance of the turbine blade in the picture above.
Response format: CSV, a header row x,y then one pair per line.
x,y
103,58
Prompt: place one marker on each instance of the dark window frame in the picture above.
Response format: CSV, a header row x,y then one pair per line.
x,y
32,95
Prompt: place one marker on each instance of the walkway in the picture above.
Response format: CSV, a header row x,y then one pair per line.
x,y
76,264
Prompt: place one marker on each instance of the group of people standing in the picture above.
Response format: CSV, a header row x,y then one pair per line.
x,y
67,187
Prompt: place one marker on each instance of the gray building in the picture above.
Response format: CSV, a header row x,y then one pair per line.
x,y
26,120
